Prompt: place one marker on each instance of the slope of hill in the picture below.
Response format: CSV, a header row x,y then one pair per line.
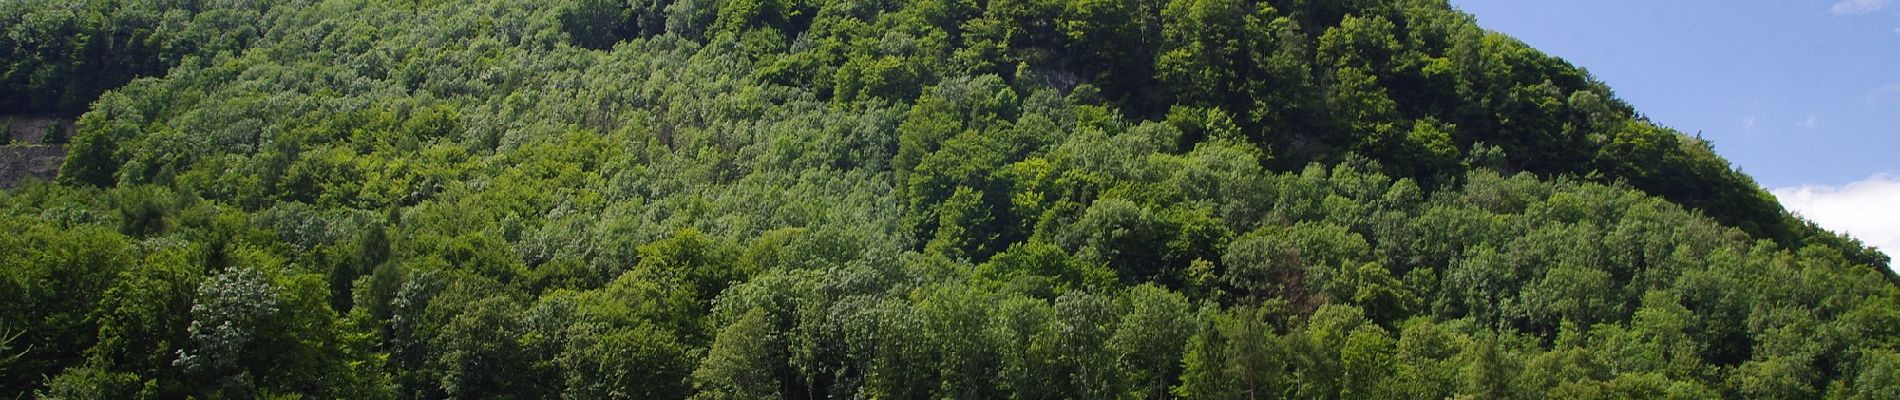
x,y
971,199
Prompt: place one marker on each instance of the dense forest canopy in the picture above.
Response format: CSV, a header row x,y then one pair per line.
x,y
740,199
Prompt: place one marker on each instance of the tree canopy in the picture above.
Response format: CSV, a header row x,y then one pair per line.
x,y
739,199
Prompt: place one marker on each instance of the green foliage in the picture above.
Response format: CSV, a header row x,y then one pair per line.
x,y
60,56
1148,339
931,199
1234,354
89,383
57,277
740,364
639,363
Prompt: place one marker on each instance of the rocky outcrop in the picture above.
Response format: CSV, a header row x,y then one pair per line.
x,y
34,148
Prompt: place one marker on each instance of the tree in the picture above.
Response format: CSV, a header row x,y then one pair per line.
x,y
1125,236
598,24
742,361
1202,53
231,310
1042,270
1367,363
690,257
1024,329
476,352
1876,378
93,155
91,383
1234,355
1085,323
58,277
641,362
1264,265
1149,340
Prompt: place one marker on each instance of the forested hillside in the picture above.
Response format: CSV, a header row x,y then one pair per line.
x,y
743,199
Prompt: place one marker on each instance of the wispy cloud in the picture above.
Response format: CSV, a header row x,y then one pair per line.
x,y
1748,122
1847,7
1864,209
1882,93
1809,123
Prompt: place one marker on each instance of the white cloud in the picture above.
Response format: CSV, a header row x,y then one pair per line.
x,y
1846,7
1868,209
1808,123
1748,123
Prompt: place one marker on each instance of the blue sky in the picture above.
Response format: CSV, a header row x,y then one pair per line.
x,y
1803,95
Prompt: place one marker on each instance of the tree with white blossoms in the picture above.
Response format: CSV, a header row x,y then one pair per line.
x,y
224,322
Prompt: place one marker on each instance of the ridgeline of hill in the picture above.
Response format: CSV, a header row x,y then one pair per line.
x,y
726,199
